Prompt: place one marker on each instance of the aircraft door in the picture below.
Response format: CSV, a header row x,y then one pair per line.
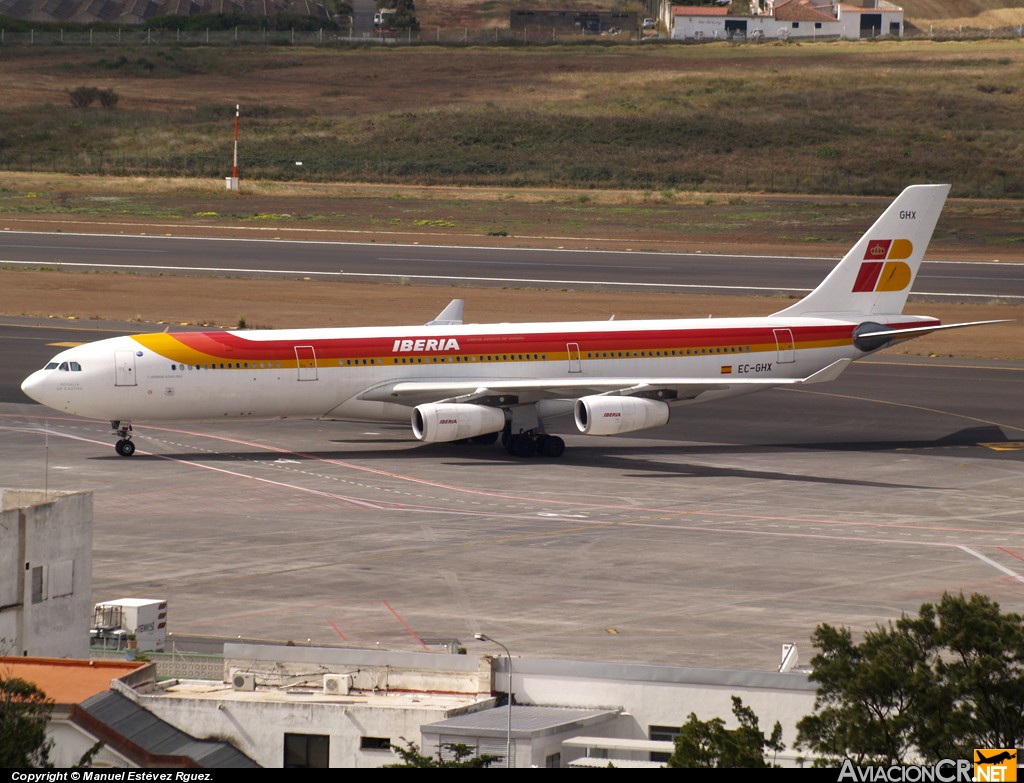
x,y
786,346
573,351
124,368
305,360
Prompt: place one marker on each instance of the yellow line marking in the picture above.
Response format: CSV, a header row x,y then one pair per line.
x,y
65,345
1006,445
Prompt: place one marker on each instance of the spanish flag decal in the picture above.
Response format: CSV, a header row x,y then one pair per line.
x,y
726,369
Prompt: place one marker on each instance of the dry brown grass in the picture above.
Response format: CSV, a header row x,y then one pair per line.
x,y
947,15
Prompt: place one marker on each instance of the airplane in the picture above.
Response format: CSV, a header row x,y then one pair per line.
x,y
477,382
996,759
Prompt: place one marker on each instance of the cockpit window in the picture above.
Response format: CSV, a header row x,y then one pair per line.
x,y
63,366
75,366
50,366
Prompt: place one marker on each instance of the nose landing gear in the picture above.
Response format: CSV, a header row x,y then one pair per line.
x,y
124,445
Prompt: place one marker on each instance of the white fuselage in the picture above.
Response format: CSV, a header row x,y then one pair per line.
x,y
345,373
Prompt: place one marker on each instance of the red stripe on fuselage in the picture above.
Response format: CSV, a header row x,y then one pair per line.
x,y
234,346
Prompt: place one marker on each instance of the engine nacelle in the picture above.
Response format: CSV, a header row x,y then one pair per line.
x,y
440,422
599,415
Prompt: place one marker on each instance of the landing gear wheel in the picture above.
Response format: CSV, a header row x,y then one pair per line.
x,y
550,446
125,448
524,446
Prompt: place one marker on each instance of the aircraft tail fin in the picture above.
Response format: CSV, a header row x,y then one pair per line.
x,y
450,316
876,275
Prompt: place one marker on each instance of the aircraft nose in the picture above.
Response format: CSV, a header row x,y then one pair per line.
x,y
33,385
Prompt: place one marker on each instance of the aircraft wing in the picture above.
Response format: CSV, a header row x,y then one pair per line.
x,y
532,389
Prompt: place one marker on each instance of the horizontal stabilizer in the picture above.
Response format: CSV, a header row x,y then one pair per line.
x,y
829,373
920,331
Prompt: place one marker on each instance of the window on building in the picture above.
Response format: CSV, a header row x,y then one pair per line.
x,y
375,743
306,751
662,734
38,584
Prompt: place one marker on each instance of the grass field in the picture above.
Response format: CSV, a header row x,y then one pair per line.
x,y
642,147
858,118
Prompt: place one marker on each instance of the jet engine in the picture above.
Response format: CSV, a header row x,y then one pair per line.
x,y
599,415
440,422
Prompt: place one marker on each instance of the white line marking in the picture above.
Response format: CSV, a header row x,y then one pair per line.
x,y
999,567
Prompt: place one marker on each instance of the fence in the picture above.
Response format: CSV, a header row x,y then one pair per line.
x,y
439,35
436,35
172,665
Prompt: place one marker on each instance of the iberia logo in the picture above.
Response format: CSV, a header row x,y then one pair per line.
x,y
995,764
883,269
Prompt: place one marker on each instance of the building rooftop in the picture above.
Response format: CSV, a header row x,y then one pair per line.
x,y
525,720
801,11
700,10
313,693
137,732
68,680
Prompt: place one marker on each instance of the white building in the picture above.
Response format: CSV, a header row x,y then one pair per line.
x,y
87,711
281,706
45,573
785,20
335,707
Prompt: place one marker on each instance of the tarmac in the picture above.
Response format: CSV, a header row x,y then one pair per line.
x,y
739,527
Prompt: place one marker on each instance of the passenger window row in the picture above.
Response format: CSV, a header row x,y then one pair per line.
x,y
668,352
227,366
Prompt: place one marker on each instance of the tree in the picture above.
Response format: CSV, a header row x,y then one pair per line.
x,y
24,714
404,17
463,757
706,744
921,689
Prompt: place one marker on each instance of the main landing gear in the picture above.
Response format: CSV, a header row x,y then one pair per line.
x,y
529,444
124,445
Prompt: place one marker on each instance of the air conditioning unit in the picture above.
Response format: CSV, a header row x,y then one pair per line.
x,y
337,684
243,681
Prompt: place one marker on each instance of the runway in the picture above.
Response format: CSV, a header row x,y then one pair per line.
x,y
740,526
441,265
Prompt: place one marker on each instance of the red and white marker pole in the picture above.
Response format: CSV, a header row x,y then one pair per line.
x,y
233,179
